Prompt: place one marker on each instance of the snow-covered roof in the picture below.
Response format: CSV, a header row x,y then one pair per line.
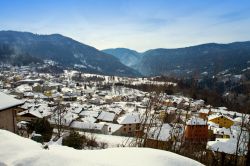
x,y
129,118
116,110
34,113
23,88
205,111
89,113
7,101
222,131
212,125
24,151
112,127
86,125
40,111
199,102
238,120
225,145
161,133
196,121
89,119
106,116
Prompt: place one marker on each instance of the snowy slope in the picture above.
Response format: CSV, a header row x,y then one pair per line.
x,y
16,150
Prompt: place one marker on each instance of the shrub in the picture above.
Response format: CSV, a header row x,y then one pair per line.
x,y
91,141
74,140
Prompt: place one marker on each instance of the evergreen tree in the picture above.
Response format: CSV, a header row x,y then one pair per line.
x,y
43,127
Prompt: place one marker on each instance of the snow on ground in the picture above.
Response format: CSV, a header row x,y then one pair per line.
x,y
22,151
111,140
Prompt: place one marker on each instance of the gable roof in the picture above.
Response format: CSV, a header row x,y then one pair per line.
x,y
214,116
162,133
129,118
7,101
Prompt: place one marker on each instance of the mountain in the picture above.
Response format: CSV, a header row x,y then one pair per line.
x,y
206,58
63,50
126,56
22,48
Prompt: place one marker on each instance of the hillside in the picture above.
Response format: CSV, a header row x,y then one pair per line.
x,y
210,58
63,50
126,56
28,152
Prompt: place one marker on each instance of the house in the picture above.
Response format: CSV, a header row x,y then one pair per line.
x,y
221,120
204,113
196,130
130,123
89,127
168,115
28,116
113,129
199,104
34,112
226,147
158,137
222,133
8,109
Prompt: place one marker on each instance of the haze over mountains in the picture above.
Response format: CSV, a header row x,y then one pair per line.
x,y
22,48
126,56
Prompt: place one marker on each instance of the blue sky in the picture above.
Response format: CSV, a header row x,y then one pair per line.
x,y
135,24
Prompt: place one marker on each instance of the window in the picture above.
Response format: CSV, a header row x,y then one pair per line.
x,y
124,129
129,129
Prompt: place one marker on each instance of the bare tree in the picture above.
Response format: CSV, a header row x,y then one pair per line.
x,y
239,140
148,119
59,119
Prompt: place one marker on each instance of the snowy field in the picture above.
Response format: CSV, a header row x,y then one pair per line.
x,y
16,150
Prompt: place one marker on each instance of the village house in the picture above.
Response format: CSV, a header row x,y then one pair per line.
x,y
130,123
168,115
113,129
8,109
33,112
221,133
227,147
159,137
204,113
89,127
196,130
221,120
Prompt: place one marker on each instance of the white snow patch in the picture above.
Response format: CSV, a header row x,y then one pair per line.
x,y
22,151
